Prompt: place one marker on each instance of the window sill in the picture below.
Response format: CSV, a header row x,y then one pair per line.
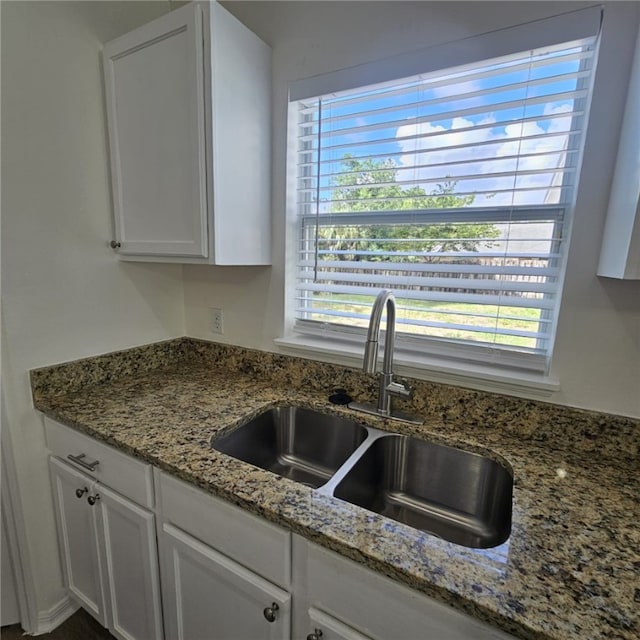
x,y
415,365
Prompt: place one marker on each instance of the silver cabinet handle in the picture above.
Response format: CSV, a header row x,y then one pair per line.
x,y
316,635
271,613
81,492
80,459
93,499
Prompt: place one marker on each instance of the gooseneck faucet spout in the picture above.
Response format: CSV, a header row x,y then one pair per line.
x,y
385,299
387,387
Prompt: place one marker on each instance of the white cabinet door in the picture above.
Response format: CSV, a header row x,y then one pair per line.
x,y
207,596
325,627
154,79
130,559
189,119
77,534
620,253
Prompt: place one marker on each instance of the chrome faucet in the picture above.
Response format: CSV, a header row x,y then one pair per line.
x,y
387,387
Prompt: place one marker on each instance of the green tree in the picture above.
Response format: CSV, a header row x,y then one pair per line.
x,y
370,185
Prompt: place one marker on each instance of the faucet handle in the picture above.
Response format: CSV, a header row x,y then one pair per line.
x,y
399,389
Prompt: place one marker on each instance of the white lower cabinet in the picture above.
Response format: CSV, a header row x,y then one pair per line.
x,y
78,537
337,598
128,536
208,596
225,573
109,554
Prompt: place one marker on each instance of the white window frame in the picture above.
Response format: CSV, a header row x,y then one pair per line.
x,y
423,356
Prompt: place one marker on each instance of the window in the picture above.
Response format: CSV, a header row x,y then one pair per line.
x,y
454,188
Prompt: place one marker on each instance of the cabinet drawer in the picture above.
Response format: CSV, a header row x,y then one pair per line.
x,y
262,547
126,475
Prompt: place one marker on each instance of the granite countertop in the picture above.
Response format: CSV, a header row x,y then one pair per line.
x,y
570,568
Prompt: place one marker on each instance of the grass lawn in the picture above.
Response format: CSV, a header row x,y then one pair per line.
x,y
469,315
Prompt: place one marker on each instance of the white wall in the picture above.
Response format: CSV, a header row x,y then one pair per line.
x,y
597,356
64,293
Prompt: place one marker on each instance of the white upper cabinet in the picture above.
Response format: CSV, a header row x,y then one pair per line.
x,y
188,111
620,254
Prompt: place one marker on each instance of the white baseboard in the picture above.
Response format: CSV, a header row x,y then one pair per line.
x,y
54,617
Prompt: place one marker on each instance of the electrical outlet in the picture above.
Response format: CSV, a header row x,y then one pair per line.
x,y
216,321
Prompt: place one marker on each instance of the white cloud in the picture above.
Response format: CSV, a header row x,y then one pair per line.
x,y
492,157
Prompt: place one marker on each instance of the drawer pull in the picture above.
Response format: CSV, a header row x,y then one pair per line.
x,y
271,613
316,635
93,499
81,492
80,459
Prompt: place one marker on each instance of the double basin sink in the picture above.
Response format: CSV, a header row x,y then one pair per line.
x,y
457,495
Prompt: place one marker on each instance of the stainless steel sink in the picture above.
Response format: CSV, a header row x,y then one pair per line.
x,y
457,495
299,444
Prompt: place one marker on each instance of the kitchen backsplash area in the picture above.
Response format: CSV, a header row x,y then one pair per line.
x,y
608,437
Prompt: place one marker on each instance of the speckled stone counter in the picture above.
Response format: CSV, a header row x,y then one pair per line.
x,y
571,567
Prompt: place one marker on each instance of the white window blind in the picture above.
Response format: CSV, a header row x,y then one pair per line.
x,y
453,188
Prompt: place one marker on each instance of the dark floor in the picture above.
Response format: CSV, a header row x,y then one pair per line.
x,y
80,626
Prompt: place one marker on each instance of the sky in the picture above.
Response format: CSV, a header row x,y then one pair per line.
x,y
468,118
